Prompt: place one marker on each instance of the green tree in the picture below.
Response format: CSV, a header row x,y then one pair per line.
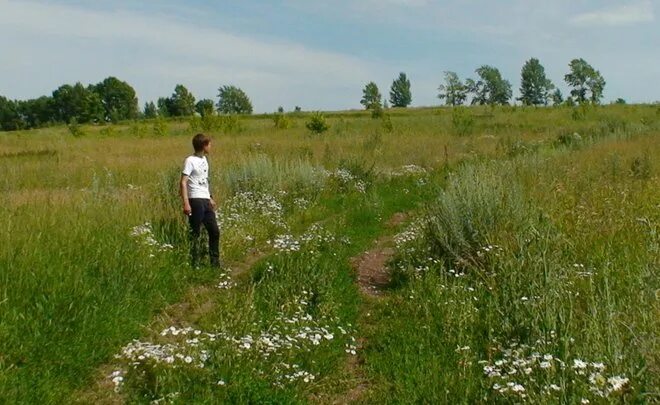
x,y
557,97
535,87
150,110
400,95
78,102
118,98
10,119
232,100
205,107
182,102
454,92
164,106
490,88
371,97
37,112
587,82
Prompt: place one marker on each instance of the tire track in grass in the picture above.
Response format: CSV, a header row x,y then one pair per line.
x,y
373,278
198,301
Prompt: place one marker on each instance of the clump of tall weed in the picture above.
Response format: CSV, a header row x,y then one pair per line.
x,y
75,129
570,139
462,121
259,173
160,127
478,204
640,168
281,121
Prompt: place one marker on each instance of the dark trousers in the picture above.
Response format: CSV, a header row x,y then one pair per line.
x,y
201,213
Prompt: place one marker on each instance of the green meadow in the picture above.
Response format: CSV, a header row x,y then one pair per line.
x,y
523,267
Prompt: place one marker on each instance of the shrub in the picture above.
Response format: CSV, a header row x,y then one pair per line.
x,y
317,123
281,121
477,205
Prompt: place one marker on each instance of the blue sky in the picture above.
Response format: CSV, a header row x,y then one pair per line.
x,y
320,54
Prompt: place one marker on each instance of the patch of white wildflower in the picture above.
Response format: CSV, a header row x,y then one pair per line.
x,y
145,234
529,373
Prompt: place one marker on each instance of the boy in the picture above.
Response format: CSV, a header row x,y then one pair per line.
x,y
198,203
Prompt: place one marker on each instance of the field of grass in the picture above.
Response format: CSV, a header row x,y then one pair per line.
x,y
526,270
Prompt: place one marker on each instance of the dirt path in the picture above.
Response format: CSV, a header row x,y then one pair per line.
x,y
197,302
373,278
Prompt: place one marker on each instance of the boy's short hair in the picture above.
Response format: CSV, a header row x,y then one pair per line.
x,y
199,141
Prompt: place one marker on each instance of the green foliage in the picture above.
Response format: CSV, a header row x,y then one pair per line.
x,y
453,92
281,121
232,100
620,101
205,107
118,98
491,88
462,121
400,95
386,123
476,203
150,110
160,127
371,97
557,98
317,123
37,112
9,115
535,87
377,111
182,102
77,102
587,82
75,129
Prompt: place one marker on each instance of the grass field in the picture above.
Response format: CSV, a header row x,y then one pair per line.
x,y
526,269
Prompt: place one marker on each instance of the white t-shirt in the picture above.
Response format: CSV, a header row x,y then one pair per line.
x,y
197,170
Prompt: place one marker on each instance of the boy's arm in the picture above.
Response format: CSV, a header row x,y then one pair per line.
x,y
183,191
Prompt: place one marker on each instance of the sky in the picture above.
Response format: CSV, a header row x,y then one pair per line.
x,y
319,55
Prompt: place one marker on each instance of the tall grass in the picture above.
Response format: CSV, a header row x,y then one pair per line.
x,y
76,285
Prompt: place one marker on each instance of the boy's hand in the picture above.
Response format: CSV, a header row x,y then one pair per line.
x,y
213,204
186,209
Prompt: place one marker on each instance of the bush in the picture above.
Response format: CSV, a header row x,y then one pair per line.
x,y
477,205
317,123
281,121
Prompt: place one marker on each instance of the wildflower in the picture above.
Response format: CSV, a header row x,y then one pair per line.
x,y
617,383
579,364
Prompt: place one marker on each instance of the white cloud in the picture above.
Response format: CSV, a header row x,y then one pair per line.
x,y
173,51
628,14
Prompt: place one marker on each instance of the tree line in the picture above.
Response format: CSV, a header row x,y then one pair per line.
x,y
113,100
490,88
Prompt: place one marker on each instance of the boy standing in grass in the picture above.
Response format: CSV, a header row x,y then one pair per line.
x,y
198,203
